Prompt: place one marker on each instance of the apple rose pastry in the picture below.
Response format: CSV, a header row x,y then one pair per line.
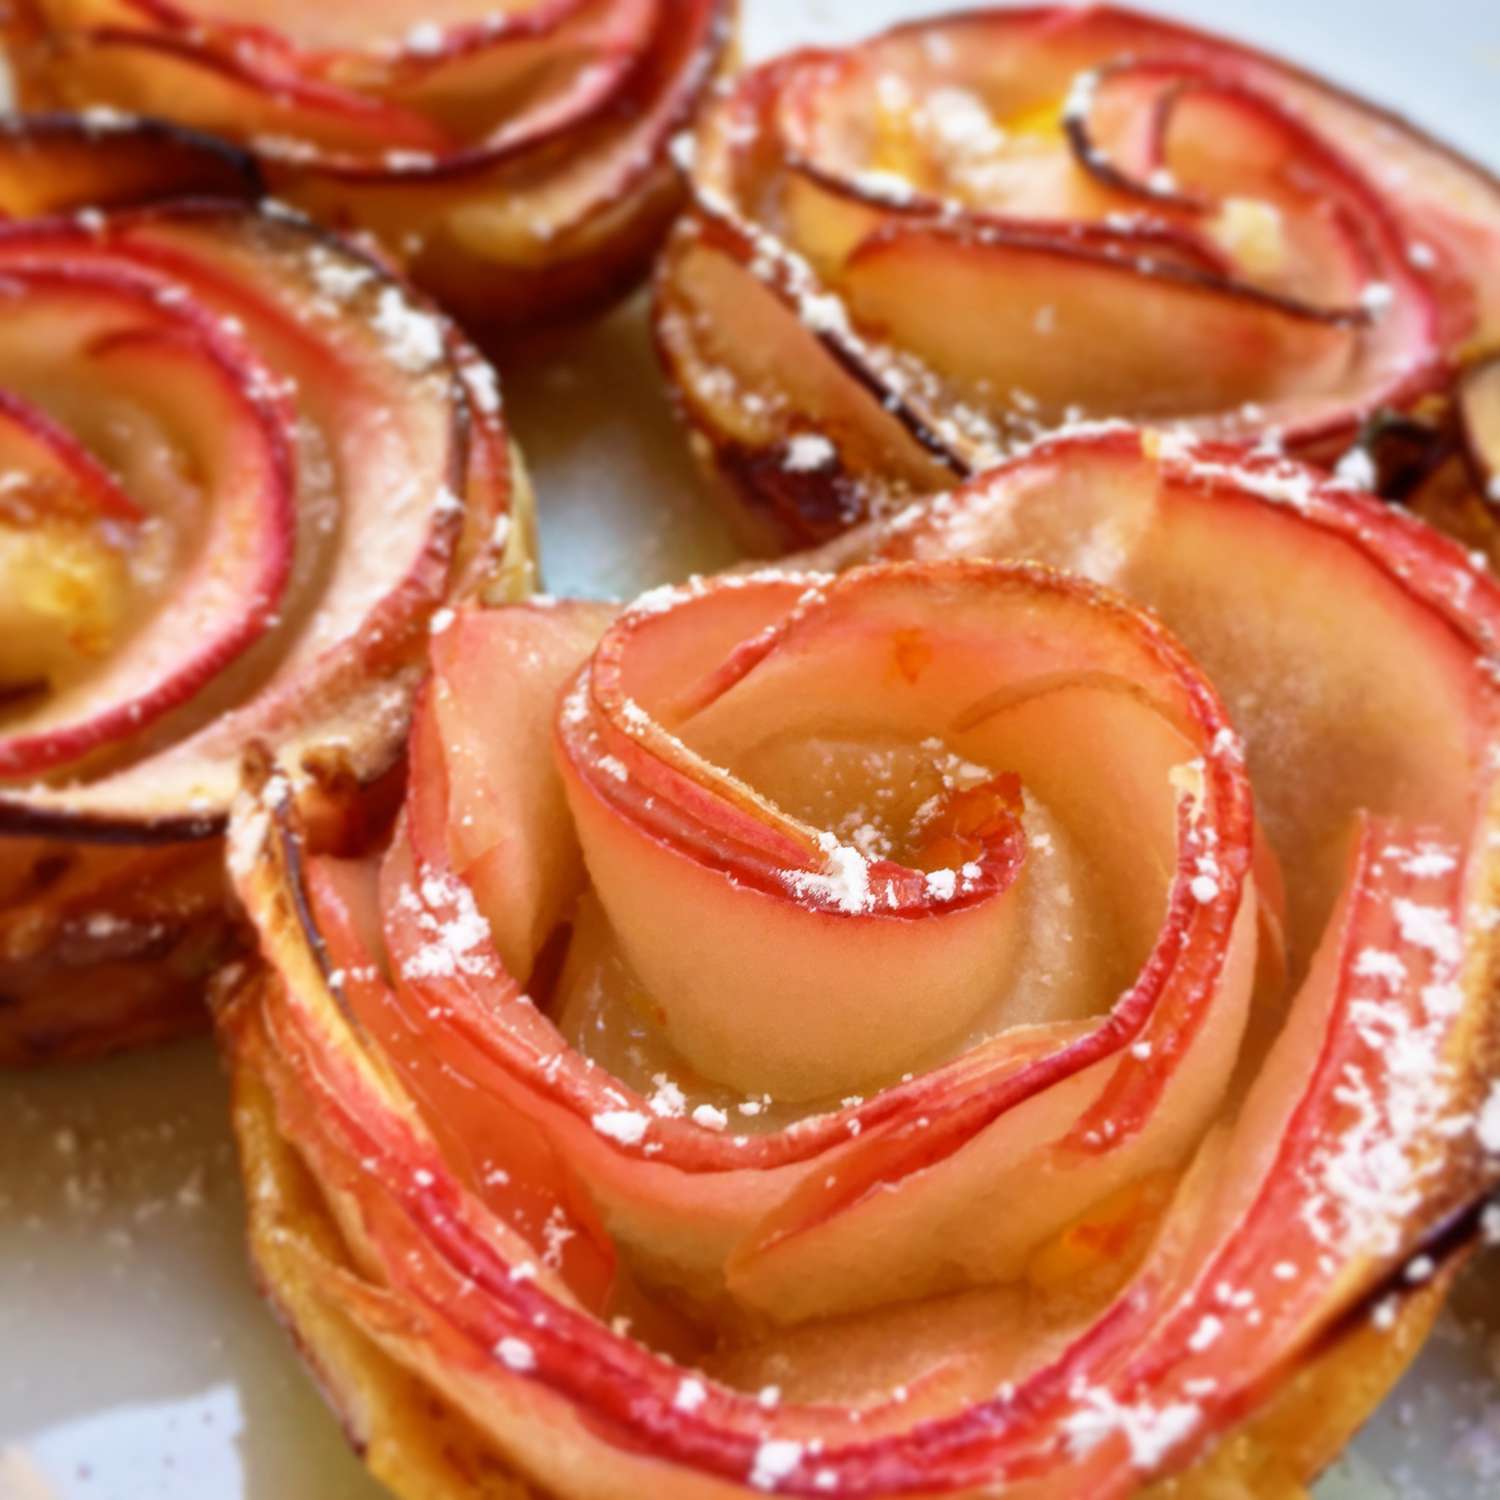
x,y
924,1030
240,468
511,157
903,257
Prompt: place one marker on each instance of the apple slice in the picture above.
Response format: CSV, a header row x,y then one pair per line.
x,y
1161,342
533,74
57,163
224,601
796,484
64,527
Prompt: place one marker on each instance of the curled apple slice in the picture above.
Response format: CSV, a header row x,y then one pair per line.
x,y
240,470
904,259
511,158
61,163
919,1022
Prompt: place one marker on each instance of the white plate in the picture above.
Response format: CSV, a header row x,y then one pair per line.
x,y
135,1360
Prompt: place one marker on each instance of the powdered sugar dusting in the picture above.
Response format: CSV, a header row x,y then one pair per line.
x,y
516,1354
844,883
414,339
1151,1432
691,1394
775,1459
628,1126
458,941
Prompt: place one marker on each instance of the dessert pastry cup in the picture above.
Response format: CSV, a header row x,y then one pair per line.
x,y
903,258
512,158
913,1022
240,469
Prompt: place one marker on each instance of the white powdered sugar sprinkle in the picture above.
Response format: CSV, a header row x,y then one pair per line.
x,y
425,39
806,452
845,882
516,1354
1366,1181
1428,927
1151,1432
613,766
412,338
1206,1334
1357,469
1378,963
458,943
627,1126
775,1460
691,1394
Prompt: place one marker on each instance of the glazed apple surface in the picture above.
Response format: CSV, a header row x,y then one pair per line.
x,y
240,468
905,257
915,1022
512,158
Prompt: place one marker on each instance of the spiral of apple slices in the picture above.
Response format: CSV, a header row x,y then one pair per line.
x,y
847,1033
904,257
511,158
240,468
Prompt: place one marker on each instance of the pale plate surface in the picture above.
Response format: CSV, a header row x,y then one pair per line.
x,y
135,1360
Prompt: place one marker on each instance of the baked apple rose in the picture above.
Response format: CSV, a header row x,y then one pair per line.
x,y
240,468
512,157
904,257
934,1028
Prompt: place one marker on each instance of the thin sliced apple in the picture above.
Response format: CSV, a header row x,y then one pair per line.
x,y
66,530
165,75
710,303
512,846
229,591
51,476
59,163
536,74
1121,342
